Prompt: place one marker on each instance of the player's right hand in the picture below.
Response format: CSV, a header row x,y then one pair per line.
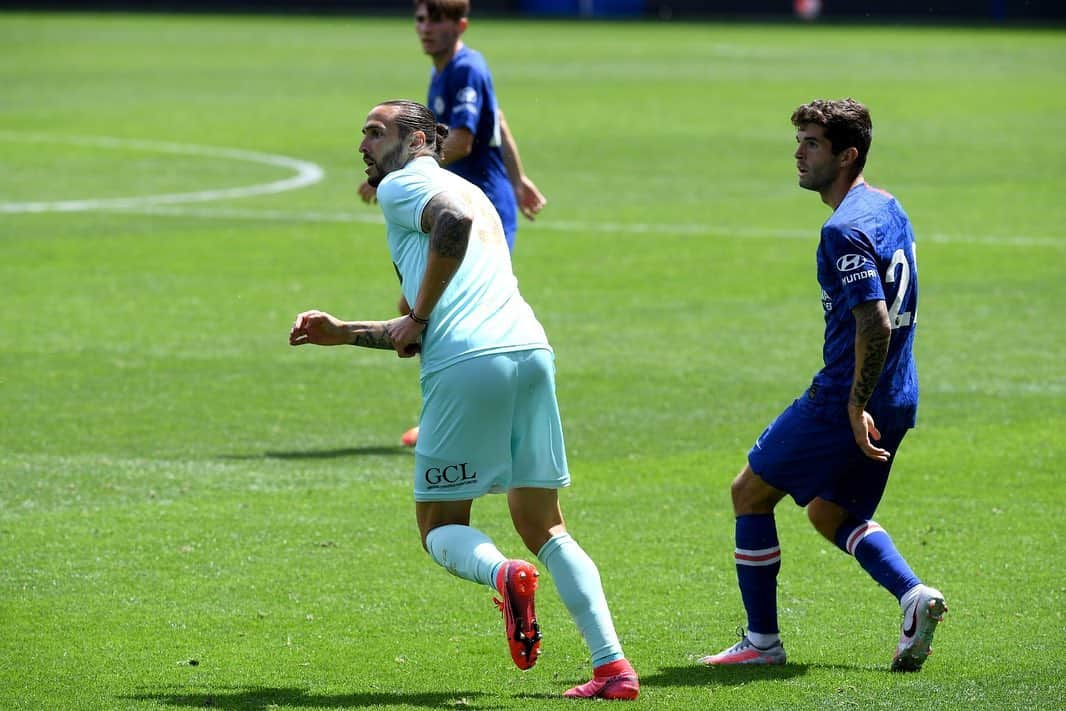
x,y
530,200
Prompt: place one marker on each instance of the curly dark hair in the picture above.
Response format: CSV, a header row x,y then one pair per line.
x,y
846,122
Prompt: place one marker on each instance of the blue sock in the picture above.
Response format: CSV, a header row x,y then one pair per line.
x,y
758,559
578,582
465,552
877,555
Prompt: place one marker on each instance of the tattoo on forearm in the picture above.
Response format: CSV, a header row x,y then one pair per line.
x,y
372,334
451,227
872,338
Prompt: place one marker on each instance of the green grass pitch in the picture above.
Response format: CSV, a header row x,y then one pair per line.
x,y
194,514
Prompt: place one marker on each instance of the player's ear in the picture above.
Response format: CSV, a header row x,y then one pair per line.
x,y
463,23
418,141
848,156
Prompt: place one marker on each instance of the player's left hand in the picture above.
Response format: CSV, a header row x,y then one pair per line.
x,y
406,336
863,428
530,200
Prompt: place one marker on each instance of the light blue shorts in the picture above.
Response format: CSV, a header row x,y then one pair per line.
x,y
489,424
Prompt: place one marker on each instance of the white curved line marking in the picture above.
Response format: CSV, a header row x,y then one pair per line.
x,y
307,173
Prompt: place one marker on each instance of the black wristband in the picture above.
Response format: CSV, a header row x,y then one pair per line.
x,y
416,319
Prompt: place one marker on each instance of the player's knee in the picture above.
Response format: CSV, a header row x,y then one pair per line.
x,y
752,495
534,537
535,533
424,535
826,517
737,489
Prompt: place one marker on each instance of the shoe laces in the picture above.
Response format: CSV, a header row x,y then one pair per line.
x,y
744,641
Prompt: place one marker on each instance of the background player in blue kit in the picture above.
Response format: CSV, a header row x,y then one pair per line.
x,y
480,146
832,449
490,419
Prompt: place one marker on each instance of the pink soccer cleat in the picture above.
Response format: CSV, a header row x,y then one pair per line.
x,y
615,681
744,652
516,583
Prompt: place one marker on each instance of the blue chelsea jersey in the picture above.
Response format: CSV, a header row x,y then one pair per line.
x,y
462,96
866,253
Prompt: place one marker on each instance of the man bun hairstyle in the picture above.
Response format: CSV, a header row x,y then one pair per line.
x,y
847,124
442,133
412,116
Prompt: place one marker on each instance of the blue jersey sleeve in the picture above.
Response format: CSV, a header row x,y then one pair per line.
x,y
853,260
404,196
468,89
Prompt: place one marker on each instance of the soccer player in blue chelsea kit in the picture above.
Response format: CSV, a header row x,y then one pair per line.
x,y
490,420
832,449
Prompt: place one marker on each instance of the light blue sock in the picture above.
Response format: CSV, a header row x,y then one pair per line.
x,y
578,583
465,552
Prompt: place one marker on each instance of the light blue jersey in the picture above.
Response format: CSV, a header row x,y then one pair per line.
x,y
481,311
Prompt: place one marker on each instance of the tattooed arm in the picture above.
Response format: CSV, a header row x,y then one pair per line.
x,y
872,334
323,329
447,221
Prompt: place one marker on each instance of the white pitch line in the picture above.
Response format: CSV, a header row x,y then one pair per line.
x,y
373,217
307,173
370,217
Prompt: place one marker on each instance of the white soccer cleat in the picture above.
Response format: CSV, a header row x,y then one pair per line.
x,y
923,607
744,652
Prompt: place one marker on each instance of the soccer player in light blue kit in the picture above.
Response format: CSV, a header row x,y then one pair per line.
x,y
490,421
480,146
832,449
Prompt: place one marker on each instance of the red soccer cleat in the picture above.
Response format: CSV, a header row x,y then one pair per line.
x,y
615,681
516,583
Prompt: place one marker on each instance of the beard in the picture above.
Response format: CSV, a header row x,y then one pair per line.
x,y
817,181
393,160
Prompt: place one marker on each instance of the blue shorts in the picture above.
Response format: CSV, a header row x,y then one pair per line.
x,y
489,424
808,454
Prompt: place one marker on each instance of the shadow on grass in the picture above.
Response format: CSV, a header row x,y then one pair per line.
x,y
324,453
265,697
702,675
